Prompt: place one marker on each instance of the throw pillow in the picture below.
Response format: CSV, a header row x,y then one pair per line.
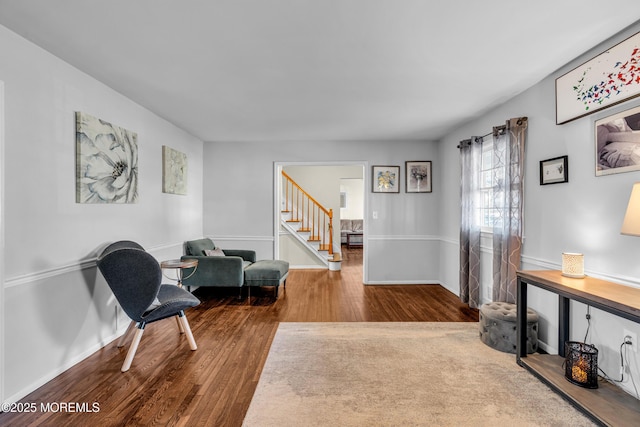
x,y
214,252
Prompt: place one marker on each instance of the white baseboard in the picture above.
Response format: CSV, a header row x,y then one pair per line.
x,y
308,267
67,365
402,282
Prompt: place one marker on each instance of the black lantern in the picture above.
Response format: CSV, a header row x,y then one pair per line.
x,y
581,364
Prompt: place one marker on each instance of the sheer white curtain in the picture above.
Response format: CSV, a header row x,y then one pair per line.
x,y
508,155
470,162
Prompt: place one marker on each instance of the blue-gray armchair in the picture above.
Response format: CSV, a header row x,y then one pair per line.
x,y
135,278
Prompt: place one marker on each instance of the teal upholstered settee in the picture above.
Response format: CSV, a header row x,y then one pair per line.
x,y
216,267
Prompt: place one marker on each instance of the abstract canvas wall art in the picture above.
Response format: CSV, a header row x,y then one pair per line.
x,y
106,162
174,171
608,79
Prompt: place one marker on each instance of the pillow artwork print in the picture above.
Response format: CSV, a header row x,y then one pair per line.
x,y
214,252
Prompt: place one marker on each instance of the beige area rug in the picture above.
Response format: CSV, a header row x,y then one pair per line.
x,y
398,374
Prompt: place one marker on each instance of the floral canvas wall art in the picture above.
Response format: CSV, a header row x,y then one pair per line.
x,y
174,171
106,162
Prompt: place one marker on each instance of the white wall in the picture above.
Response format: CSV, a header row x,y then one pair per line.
x,y
402,242
2,316
354,191
583,215
59,308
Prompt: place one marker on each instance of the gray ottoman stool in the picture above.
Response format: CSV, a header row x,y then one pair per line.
x,y
266,273
498,327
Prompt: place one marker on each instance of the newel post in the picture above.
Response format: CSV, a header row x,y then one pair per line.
x,y
330,231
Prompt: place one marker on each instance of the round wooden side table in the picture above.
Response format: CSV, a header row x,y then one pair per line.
x,y
179,265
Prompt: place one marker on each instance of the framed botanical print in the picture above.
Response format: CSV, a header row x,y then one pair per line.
x,y
386,179
418,175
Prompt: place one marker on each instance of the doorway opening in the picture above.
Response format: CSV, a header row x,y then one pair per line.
x,y
328,179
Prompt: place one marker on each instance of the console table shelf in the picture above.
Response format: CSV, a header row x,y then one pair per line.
x,y
607,405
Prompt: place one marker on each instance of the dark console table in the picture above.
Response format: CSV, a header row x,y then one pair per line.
x,y
607,405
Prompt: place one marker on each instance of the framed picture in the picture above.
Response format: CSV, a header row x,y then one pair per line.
x,y
386,179
608,79
617,142
174,171
418,176
106,162
554,171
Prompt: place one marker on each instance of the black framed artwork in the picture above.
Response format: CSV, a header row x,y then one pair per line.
x,y
554,171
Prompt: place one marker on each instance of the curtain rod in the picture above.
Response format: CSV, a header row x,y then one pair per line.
x,y
468,141
498,128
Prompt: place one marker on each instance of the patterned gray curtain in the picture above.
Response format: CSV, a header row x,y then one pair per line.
x,y
508,156
470,162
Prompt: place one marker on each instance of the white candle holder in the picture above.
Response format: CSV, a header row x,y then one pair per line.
x,y
573,265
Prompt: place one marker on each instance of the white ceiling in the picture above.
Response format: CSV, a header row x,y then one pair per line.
x,y
314,70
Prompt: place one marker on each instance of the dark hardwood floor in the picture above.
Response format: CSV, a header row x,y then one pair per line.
x,y
170,385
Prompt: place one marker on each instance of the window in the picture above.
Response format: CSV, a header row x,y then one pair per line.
x,y
491,174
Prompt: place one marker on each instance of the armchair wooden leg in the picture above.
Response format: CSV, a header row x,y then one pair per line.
x,y
134,347
187,330
179,325
126,334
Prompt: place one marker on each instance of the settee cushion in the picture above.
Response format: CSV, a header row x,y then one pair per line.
x,y
198,247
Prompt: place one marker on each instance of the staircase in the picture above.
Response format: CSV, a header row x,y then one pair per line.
x,y
308,221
